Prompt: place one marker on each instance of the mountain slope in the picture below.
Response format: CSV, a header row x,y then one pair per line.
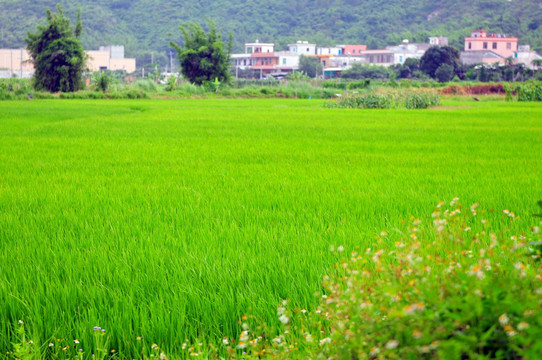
x,y
146,26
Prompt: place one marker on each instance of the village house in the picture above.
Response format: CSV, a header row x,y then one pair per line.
x,y
110,58
302,48
500,44
407,50
484,48
17,62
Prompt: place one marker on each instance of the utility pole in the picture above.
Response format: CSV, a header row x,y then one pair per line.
x,y
21,63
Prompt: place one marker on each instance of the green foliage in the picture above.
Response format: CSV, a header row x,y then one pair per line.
x,y
421,101
385,101
359,71
171,83
444,73
310,66
57,53
297,76
437,56
529,91
202,57
103,82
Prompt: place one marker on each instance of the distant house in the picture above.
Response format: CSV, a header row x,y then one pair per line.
x,y
302,48
438,41
110,58
526,56
500,44
352,49
382,57
407,50
15,63
329,50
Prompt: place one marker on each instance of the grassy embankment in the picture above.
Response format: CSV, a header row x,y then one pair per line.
x,y
171,219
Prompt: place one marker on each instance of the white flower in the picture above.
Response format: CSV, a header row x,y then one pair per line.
x,y
308,337
245,326
225,341
523,325
340,248
392,344
375,351
325,341
241,345
162,356
244,336
503,319
20,322
284,319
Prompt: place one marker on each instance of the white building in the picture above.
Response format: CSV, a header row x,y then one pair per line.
x,y
302,48
526,56
328,50
287,61
407,51
257,47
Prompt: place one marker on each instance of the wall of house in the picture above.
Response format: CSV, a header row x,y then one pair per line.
x,y
504,46
353,49
10,60
98,60
128,65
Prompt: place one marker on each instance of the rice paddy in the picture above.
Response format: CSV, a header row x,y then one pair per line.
x,y
169,220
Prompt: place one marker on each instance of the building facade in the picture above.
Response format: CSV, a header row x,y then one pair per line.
x,y
500,44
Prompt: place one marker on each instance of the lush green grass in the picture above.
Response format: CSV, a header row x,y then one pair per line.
x,y
170,219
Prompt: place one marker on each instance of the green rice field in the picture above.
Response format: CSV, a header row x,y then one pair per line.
x,y
170,219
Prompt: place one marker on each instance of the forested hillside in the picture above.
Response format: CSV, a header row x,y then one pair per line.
x,y
146,26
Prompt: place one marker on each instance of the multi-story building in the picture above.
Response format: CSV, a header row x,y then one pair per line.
x,y
502,45
302,48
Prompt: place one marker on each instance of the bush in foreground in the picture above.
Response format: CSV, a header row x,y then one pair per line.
x,y
449,287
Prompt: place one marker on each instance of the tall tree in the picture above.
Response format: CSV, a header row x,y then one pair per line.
x,y
436,56
310,65
57,53
203,58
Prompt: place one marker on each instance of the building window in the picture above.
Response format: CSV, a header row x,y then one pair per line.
x,y
470,45
400,59
485,45
509,46
284,61
324,63
244,62
494,45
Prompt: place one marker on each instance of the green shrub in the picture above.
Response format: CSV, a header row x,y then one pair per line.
x,y
103,82
376,101
421,101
